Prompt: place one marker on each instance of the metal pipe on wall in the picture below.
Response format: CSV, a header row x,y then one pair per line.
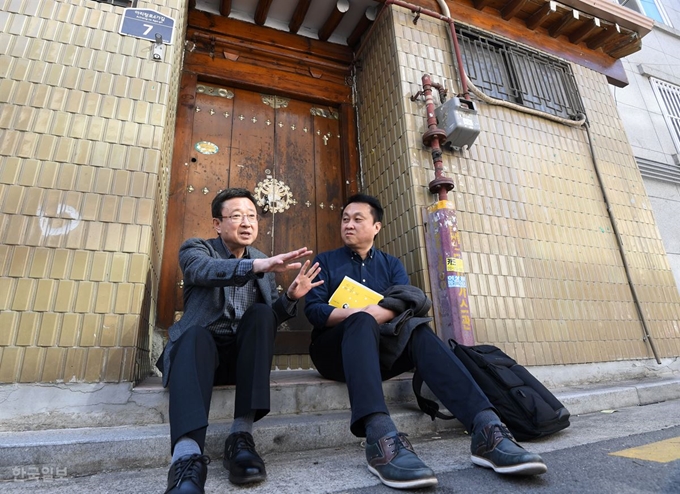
x,y
647,336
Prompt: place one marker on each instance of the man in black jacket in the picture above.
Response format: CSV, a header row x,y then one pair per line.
x,y
226,336
347,346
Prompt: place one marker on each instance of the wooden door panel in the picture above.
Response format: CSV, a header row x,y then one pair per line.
x,y
328,181
252,152
209,163
294,168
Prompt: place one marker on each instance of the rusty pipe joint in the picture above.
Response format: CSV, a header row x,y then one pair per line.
x,y
432,138
442,91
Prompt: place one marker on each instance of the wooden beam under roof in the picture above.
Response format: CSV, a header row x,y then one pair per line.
x,y
541,15
512,8
615,44
262,11
299,15
634,45
585,30
480,4
366,20
225,7
606,34
339,10
567,20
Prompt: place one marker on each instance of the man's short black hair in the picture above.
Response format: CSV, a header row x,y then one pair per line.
x,y
376,208
227,194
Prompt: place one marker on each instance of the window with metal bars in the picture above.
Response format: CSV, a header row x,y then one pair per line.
x,y
507,71
668,96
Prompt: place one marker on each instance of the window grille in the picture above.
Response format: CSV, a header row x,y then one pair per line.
x,y
507,71
668,96
660,171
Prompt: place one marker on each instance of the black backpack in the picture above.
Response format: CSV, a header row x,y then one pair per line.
x,y
524,405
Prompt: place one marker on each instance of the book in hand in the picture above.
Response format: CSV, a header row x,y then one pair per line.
x,y
353,295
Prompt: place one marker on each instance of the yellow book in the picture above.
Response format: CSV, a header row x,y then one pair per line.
x,y
353,295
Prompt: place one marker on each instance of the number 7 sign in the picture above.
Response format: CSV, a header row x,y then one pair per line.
x,y
147,24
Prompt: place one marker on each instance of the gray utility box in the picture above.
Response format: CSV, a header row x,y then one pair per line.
x,y
459,120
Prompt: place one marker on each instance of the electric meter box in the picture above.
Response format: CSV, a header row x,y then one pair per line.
x,y
459,120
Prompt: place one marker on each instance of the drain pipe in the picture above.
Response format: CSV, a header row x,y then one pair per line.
x,y
645,328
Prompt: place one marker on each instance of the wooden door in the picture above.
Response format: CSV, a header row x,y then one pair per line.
x,y
287,152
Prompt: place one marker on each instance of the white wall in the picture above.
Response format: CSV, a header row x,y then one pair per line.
x,y
646,127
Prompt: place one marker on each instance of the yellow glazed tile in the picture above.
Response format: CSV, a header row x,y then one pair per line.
x,y
28,326
94,364
113,362
70,329
49,328
53,366
31,365
74,366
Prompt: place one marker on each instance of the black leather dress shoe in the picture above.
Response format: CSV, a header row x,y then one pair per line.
x,y
241,459
187,475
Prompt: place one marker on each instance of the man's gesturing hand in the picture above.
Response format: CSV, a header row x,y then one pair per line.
x,y
303,281
281,262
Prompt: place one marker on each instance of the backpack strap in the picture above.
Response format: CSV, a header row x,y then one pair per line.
x,y
430,407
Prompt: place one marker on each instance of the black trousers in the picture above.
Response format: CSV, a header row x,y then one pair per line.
x,y
201,360
349,352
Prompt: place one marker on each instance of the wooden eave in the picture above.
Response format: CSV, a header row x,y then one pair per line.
x,y
555,28
254,57
577,22
592,33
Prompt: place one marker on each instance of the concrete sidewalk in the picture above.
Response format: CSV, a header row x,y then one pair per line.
x,y
320,418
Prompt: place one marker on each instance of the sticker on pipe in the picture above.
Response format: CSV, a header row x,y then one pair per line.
x,y
454,281
454,264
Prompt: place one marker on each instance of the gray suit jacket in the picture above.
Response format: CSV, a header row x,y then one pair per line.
x,y
207,270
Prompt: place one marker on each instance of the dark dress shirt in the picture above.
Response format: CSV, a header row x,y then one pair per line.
x,y
378,271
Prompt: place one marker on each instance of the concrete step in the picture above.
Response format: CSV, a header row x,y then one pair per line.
x,y
88,450
55,406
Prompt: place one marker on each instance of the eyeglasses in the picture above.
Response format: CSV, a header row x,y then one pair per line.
x,y
238,218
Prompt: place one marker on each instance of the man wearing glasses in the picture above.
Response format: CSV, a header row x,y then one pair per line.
x,y
226,336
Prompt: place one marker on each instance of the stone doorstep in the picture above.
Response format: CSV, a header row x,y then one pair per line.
x,y
41,407
291,392
99,449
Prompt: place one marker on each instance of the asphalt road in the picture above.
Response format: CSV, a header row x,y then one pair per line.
x,y
578,459
581,469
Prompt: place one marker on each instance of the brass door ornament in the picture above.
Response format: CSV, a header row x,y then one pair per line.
x,y
275,101
325,113
206,147
273,196
214,91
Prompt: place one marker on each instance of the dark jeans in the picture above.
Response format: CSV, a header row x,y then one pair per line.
x,y
349,352
201,360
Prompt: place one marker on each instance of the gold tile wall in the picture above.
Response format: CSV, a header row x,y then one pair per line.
x,y
546,277
86,128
